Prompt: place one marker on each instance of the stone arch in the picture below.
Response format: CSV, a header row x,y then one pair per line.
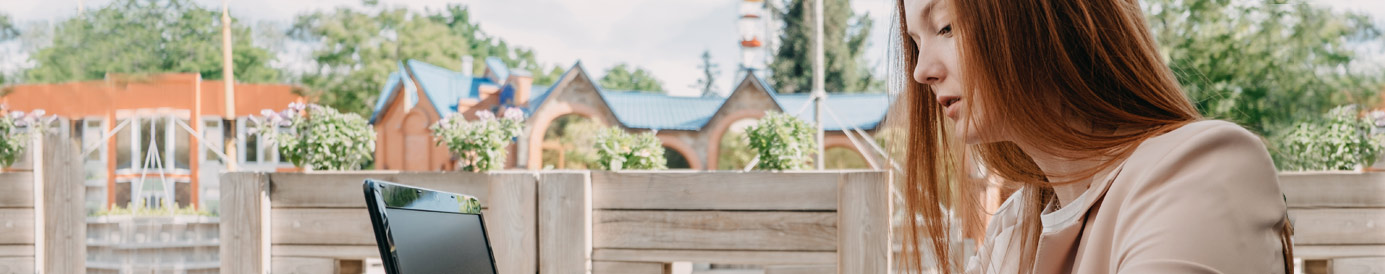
x,y
719,129
683,148
544,118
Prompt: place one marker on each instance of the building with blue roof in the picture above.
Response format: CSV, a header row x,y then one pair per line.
x,y
691,128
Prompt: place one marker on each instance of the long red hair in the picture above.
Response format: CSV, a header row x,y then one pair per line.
x,y
1035,67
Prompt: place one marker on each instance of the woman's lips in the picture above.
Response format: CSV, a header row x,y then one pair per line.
x,y
950,105
951,109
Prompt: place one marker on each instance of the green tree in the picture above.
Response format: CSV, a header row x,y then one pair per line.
x,y
1265,64
845,39
147,37
620,77
709,76
7,28
548,78
354,51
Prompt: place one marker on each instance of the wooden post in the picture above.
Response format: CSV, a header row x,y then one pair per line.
x,y
245,223
565,222
510,221
63,203
863,221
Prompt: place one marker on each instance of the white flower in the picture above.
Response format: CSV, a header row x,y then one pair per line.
x,y
16,114
643,153
485,115
266,112
37,112
288,113
297,106
514,114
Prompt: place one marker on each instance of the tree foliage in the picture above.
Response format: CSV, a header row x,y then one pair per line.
x,y
621,77
1267,63
147,37
354,51
709,76
845,39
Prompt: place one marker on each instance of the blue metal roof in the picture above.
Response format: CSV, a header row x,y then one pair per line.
x,y
385,94
863,111
637,109
502,72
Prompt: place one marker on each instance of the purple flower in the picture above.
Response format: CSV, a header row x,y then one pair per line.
x,y
297,106
288,113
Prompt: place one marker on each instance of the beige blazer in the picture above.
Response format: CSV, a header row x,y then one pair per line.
x,y
1200,199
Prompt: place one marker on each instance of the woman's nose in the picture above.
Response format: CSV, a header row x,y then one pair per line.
x,y
929,71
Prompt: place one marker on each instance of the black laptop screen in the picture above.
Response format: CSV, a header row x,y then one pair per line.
x,y
436,242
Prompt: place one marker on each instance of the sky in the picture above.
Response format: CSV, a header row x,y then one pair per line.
x,y
666,37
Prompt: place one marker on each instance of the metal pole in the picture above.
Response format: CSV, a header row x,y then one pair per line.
x,y
228,76
819,75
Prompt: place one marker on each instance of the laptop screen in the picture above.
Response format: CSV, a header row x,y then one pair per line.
x,y
437,242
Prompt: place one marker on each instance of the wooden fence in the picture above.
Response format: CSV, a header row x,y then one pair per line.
x,y
42,214
578,222
601,222
1339,220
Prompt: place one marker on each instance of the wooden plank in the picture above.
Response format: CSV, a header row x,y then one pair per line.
x,y
64,206
603,267
1333,189
350,266
245,223
1362,265
321,226
341,252
864,218
17,190
1309,252
343,189
302,265
17,226
511,221
716,256
801,269
715,190
1347,226
715,230
565,222
17,265
16,250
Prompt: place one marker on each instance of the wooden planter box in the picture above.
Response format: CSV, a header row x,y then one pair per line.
x,y
1339,220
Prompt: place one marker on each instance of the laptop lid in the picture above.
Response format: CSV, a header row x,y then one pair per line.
x,y
421,230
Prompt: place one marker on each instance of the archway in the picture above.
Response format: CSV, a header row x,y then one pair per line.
x,y
841,157
567,143
676,159
733,148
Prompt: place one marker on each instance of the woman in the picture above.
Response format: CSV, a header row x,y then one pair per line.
x,y
1070,102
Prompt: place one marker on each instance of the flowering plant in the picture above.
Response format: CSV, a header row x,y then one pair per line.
x,y
317,137
782,141
1341,141
618,150
479,145
15,129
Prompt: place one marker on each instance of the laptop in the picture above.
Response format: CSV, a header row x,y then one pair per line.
x,y
424,231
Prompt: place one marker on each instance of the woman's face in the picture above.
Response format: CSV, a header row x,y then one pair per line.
x,y
929,23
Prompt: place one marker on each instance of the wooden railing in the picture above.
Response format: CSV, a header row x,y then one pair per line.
x,y
578,222
42,219
1339,220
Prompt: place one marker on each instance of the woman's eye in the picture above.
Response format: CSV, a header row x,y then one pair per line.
x,y
947,30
